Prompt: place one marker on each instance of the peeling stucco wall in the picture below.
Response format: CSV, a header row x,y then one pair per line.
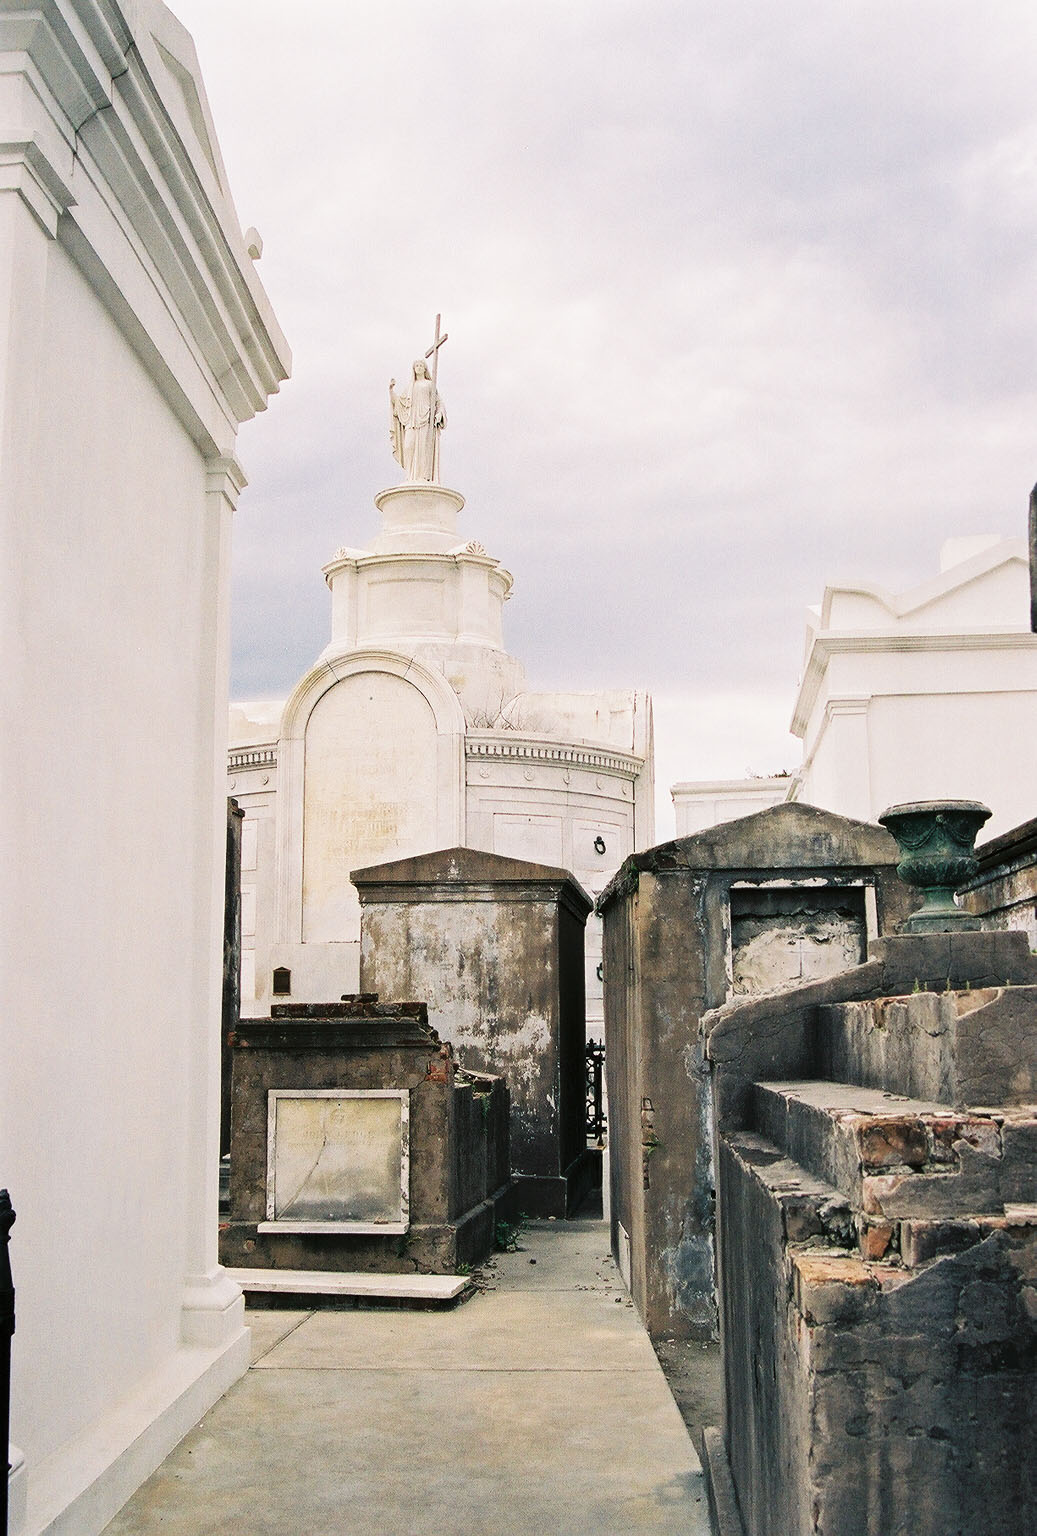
x,y
681,922
494,946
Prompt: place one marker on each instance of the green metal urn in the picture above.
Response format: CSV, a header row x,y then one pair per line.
x,y
937,841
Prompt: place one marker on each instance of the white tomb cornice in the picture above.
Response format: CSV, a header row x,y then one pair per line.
x,y
826,644
545,750
107,137
30,170
471,553
486,745
239,759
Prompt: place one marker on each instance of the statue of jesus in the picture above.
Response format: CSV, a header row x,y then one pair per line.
x,y
417,418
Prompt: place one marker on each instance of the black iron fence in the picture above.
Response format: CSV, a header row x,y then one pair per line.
x,y
595,1113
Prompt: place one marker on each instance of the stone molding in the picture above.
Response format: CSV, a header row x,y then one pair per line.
x,y
849,642
726,786
332,1034
534,749
332,669
116,155
241,758
225,477
27,168
567,893
366,558
212,1311
1017,844
467,875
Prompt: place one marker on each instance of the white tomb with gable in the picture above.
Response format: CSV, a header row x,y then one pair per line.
x,y
925,694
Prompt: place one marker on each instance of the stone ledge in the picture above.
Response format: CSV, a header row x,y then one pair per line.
x,y
873,1238
720,1489
873,1145
311,1282
336,1034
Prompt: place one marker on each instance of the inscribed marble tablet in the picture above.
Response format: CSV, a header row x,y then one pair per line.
x,y
338,1159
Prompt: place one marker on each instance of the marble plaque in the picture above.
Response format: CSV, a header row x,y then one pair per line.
x,y
337,1160
370,793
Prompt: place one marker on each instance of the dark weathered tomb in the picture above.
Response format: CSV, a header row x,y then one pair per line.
x,y
877,1242
358,1144
496,946
789,894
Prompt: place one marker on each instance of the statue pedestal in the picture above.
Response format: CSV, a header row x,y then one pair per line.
x,y
417,518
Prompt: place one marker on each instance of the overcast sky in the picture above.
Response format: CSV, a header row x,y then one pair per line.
x,y
741,301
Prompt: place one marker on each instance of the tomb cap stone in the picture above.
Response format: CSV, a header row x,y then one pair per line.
x,y
452,874
791,835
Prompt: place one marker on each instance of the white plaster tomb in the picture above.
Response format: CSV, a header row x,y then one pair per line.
x,y
135,337
925,694
415,730
915,695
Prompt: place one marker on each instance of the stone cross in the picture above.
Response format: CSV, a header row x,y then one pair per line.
x,y
433,353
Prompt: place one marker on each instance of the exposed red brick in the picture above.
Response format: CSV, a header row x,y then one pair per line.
x,y
875,1238
886,1143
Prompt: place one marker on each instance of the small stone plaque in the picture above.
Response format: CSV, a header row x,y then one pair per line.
x,y
337,1160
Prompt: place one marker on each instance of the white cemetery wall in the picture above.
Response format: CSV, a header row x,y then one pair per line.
x,y
109,948
116,492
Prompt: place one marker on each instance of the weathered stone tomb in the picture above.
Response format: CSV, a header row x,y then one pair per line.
x,y
496,946
357,1144
787,894
1003,891
877,1234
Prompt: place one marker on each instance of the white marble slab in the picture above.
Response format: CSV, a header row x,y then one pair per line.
x,y
338,1160
308,1282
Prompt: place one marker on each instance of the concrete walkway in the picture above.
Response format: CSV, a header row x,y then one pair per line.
x,y
537,1408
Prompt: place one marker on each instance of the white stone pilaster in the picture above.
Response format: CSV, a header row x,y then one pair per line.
x,y
213,1308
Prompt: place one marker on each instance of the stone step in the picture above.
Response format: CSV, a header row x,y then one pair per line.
x,y
894,1156
812,1211
335,1283
818,1221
